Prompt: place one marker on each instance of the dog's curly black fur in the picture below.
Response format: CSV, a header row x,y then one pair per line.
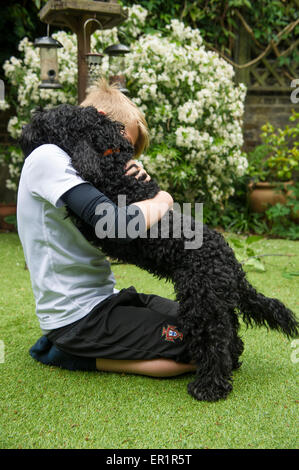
x,y
209,282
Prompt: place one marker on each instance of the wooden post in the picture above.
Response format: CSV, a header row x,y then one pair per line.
x,y
82,49
242,55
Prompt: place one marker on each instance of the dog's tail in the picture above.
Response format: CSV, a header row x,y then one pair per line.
x,y
264,311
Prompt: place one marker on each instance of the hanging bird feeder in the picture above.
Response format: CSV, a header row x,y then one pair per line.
x,y
48,61
117,53
93,59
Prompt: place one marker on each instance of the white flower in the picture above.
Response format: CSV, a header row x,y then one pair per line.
x,y
190,112
3,105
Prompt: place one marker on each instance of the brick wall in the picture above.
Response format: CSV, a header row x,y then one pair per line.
x,y
260,108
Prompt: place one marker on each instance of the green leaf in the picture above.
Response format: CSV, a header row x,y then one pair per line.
x,y
239,258
256,264
250,252
290,275
11,219
253,239
237,243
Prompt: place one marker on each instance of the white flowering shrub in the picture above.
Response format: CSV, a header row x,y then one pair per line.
x,y
24,78
193,108
194,111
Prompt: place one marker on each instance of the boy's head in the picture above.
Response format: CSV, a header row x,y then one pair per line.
x,y
118,107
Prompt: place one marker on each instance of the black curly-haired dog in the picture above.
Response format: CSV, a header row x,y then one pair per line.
x,y
209,282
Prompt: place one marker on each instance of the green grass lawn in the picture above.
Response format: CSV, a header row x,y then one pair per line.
x,y
47,407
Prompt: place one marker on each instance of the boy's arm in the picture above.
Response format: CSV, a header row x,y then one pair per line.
x,y
154,209
84,198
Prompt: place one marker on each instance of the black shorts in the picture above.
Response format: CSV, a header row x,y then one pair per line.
x,y
127,325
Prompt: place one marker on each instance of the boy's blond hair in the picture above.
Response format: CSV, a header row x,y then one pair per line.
x,y
110,100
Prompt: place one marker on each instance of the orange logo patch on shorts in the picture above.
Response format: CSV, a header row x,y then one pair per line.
x,y
171,333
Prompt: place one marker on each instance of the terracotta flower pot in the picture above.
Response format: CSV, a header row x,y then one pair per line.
x,y
263,194
5,210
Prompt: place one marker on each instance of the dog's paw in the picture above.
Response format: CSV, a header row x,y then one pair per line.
x,y
209,393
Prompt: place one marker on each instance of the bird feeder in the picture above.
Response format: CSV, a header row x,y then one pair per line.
x,y
93,59
48,61
117,53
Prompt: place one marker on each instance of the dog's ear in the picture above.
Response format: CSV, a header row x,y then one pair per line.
x,y
87,163
25,140
31,138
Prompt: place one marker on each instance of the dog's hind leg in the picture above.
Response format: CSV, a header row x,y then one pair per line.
x,y
209,335
213,379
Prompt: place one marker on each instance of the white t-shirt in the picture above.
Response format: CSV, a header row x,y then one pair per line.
x,y
69,276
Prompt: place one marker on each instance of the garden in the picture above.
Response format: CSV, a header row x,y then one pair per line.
x,y
180,73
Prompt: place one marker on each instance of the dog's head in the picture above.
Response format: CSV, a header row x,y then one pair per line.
x,y
95,143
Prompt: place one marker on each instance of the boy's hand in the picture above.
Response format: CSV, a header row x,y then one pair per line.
x,y
134,168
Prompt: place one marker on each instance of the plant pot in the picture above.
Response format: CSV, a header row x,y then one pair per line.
x,y
5,210
263,194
